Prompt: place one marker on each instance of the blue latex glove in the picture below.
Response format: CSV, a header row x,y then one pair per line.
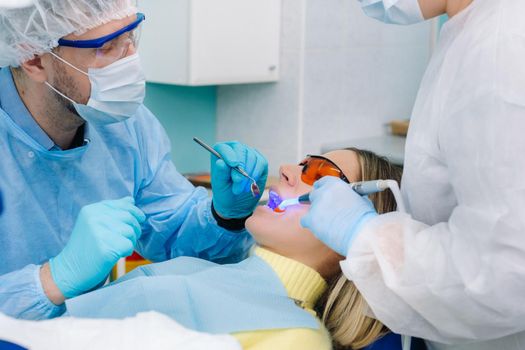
x,y
232,198
337,213
103,233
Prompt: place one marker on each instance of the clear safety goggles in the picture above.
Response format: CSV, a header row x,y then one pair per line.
x,y
108,49
317,167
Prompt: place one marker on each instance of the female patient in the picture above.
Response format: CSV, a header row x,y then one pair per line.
x,y
272,299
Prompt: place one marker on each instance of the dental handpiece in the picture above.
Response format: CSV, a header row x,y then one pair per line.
x,y
363,188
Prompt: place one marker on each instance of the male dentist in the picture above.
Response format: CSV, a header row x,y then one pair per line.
x,y
86,168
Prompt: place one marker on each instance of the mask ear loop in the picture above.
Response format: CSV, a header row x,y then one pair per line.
x,y
70,65
59,93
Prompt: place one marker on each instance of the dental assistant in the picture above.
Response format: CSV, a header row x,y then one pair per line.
x,y
453,271
85,166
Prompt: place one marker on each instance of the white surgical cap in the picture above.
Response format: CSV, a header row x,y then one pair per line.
x,y
36,29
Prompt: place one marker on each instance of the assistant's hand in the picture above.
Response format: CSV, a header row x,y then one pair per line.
x,y
232,198
104,233
337,213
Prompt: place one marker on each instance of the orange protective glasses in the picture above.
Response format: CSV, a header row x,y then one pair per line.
x,y
316,167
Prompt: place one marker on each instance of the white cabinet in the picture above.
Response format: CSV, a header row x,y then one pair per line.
x,y
210,42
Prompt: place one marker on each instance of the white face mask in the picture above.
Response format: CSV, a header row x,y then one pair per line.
x,y
393,11
117,91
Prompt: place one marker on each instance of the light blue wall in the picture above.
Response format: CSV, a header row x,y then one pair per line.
x,y
185,112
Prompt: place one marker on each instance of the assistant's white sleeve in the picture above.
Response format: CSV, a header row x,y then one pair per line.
x,y
441,283
463,279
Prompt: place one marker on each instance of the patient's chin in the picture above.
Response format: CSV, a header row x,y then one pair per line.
x,y
264,223
253,221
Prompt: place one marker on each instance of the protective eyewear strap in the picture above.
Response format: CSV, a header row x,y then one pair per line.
x,y
98,43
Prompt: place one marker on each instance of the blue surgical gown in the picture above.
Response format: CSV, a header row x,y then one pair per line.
x,y
44,189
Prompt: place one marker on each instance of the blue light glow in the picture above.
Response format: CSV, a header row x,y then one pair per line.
x,y
274,200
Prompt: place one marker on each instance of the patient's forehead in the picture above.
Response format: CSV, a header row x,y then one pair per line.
x,y
349,163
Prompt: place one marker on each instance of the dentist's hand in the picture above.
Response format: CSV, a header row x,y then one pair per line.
x,y
232,198
104,232
337,213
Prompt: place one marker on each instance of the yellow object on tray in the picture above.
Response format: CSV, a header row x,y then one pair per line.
x,y
126,265
399,127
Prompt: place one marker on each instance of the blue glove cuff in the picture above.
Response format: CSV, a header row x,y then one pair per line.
x,y
57,278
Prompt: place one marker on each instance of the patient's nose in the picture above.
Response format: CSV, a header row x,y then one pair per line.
x,y
289,174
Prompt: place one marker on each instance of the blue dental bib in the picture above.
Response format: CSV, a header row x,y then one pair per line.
x,y
200,295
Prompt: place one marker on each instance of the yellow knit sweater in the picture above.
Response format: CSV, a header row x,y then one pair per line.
x,y
305,286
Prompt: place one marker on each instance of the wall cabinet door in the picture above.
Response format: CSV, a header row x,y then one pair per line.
x,y
211,42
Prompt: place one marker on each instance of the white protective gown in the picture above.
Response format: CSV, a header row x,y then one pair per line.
x,y
454,271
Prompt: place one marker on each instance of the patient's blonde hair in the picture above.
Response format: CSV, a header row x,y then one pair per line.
x,y
344,307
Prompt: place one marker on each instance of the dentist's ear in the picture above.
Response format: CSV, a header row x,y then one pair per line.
x,y
34,69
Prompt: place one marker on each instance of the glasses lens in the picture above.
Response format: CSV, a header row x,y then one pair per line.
x,y
315,168
117,48
137,33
